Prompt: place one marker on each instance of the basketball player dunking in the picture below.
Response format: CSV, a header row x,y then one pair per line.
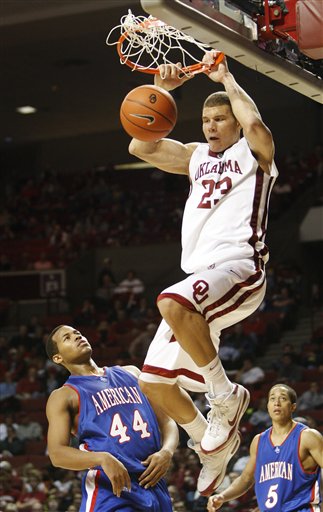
x,y
284,462
223,231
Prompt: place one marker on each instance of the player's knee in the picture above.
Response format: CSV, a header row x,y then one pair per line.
x,y
171,311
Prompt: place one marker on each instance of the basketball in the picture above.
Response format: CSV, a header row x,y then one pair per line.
x,y
148,113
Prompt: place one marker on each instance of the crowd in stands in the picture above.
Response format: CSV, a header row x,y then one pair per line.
x,y
62,215
47,222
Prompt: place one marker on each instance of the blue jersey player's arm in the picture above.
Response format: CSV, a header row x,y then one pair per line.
x,y
61,409
239,486
158,463
311,449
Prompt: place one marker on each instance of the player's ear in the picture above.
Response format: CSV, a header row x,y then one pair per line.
x,y
57,358
294,407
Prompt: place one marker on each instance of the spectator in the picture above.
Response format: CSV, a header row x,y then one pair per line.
x,y
289,371
34,492
21,338
106,270
9,493
260,417
11,444
245,342
229,355
52,504
104,294
7,387
241,462
139,345
8,421
30,386
310,399
87,314
287,307
131,285
249,374
289,349
52,380
28,429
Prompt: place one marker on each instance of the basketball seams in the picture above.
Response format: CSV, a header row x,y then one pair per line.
x,y
148,129
148,113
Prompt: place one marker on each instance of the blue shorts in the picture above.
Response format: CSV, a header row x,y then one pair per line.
x,y
97,496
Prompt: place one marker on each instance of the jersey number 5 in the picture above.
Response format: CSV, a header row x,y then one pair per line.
x,y
272,496
119,429
211,186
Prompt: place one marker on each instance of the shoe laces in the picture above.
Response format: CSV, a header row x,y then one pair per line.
x,y
216,415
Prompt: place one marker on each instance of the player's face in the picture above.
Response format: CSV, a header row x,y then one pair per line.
x,y
73,348
220,127
280,407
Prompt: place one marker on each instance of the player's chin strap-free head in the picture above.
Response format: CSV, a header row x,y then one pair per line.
x,y
145,43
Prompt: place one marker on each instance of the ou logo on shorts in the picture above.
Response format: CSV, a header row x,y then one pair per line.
x,y
200,288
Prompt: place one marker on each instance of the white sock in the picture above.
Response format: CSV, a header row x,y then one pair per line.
x,y
196,428
215,378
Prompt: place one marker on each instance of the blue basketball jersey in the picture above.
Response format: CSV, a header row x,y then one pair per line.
x,y
281,484
116,417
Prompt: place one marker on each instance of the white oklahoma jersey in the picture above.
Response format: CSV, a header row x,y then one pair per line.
x,y
224,252
225,216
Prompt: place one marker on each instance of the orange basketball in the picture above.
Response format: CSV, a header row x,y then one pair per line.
x,y
148,113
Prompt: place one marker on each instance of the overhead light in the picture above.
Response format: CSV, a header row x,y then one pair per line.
x,y
133,165
26,109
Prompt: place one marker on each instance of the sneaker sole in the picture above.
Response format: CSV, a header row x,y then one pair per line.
x,y
219,479
236,421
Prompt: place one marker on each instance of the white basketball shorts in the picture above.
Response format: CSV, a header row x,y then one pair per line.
x,y
224,295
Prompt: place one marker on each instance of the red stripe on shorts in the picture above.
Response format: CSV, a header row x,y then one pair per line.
x,y
235,289
177,298
234,306
96,490
172,374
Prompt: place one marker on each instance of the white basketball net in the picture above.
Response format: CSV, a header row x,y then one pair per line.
x,y
155,39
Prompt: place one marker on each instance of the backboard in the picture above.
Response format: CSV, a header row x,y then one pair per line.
x,y
223,25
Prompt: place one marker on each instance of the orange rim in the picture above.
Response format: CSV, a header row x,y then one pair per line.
x,y
199,67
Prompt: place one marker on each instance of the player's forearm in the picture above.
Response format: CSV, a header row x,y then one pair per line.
x,y
238,487
170,437
72,458
243,107
142,149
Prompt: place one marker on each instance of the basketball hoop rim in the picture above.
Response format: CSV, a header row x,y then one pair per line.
x,y
199,67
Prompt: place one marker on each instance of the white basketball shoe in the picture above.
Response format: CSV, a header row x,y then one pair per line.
x,y
214,466
224,418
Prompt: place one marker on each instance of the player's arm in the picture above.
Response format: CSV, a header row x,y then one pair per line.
x,y
312,442
239,486
59,414
166,154
157,464
258,135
